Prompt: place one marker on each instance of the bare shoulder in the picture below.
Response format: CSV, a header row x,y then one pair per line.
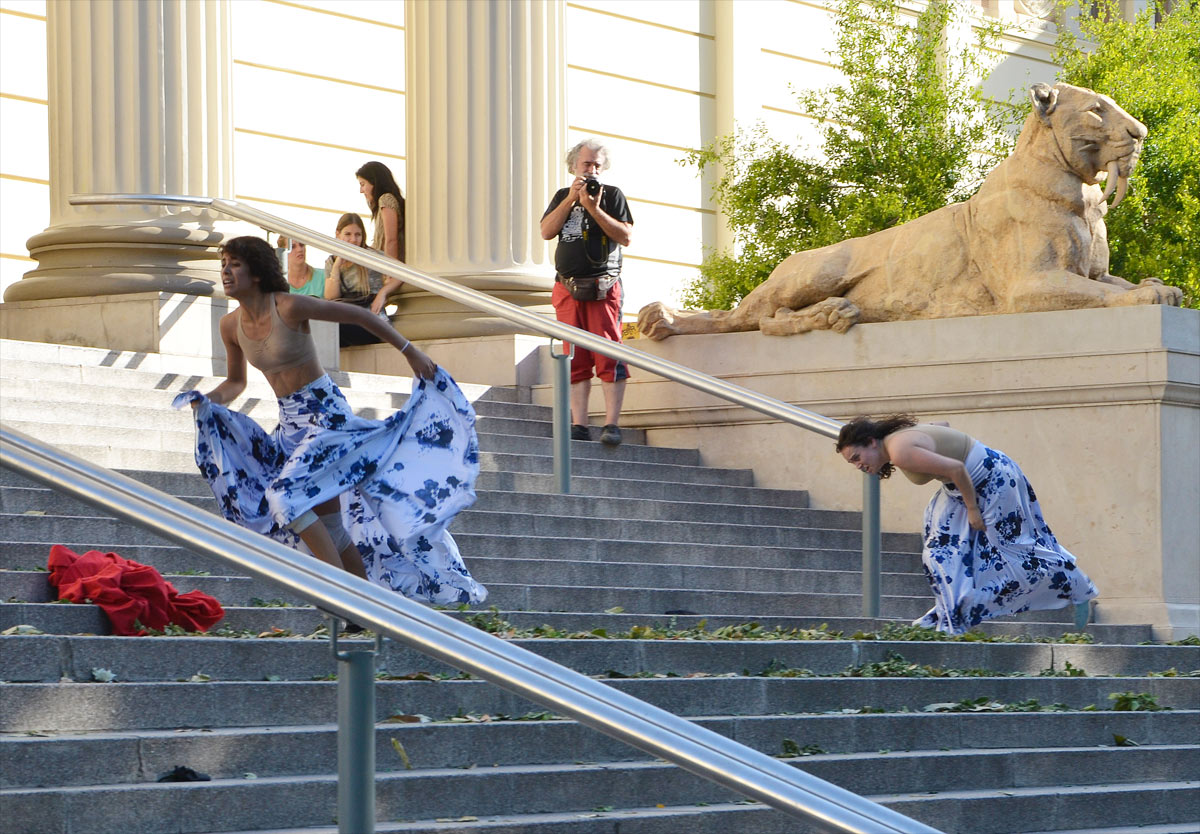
x,y
230,320
296,309
907,438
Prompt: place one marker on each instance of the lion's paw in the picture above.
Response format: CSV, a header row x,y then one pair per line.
x,y
836,314
1148,292
781,324
840,314
657,321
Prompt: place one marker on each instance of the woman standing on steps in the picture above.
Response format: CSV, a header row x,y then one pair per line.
x,y
988,551
378,187
371,497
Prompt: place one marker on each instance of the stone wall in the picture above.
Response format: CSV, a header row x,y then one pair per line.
x,y
1101,409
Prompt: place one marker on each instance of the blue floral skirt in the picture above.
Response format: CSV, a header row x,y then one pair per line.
x,y
1015,564
400,481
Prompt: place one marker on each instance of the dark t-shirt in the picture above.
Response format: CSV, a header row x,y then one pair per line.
x,y
583,249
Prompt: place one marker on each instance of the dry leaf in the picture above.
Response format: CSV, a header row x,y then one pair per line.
x,y
399,748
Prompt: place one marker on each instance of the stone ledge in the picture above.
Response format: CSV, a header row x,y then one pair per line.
x,y
1101,408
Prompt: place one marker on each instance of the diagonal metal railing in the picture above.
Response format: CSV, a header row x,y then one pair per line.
x,y
532,322
827,807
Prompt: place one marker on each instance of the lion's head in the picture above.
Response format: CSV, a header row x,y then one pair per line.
x,y
1091,132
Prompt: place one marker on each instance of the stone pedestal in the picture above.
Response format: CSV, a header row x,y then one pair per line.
x,y
1100,408
139,98
486,126
511,360
178,324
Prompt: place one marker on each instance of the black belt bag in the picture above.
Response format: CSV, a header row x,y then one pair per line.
x,y
587,289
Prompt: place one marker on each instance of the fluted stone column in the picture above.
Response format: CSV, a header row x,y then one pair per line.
x,y
486,135
738,55
139,101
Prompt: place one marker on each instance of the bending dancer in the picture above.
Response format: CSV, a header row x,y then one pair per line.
x,y
372,497
988,551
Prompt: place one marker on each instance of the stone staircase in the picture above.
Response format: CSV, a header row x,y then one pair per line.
x,y
648,577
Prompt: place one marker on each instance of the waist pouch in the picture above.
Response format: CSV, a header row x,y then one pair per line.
x,y
593,288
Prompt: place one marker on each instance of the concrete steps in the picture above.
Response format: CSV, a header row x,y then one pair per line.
x,y
552,788
114,758
651,538
49,658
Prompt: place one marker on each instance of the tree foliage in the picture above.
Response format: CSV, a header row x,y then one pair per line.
x,y
907,132
1153,72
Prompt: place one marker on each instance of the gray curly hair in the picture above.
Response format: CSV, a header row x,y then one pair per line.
x,y
591,144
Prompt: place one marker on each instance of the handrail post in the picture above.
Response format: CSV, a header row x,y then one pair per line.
x,y
872,544
562,416
825,806
356,736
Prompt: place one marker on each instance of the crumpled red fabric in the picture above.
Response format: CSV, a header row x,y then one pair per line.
x,y
134,596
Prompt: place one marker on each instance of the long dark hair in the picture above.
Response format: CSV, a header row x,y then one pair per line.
x,y
382,182
259,258
862,430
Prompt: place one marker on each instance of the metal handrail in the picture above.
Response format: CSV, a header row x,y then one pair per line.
x,y
658,732
551,327
483,302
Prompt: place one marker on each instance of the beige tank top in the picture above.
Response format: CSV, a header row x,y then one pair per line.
x,y
283,347
379,236
947,442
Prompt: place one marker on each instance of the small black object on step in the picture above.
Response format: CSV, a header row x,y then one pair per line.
x,y
579,432
185,774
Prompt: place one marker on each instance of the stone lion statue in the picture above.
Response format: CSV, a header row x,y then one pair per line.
x,y
1032,238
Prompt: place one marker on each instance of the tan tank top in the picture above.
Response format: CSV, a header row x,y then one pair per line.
x,y
379,236
947,442
283,347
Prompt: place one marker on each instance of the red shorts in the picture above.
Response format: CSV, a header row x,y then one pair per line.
x,y
600,317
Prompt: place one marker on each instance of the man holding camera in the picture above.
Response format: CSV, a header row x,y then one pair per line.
x,y
592,222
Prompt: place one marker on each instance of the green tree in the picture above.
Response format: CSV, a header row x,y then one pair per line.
x,y
1153,72
906,133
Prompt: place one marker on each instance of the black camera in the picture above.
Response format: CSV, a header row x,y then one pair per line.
x,y
592,185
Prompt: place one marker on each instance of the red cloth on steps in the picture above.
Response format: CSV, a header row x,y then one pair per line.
x,y
129,592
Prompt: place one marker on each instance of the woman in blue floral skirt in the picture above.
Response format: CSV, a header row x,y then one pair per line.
x,y
988,552
372,497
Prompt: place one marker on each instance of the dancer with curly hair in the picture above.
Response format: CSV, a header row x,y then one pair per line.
x,y
988,551
373,497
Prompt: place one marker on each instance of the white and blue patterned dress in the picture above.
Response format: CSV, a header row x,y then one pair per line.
x,y
400,480
1015,564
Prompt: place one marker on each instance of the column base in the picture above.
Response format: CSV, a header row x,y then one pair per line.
x,y
80,261
179,324
423,315
510,360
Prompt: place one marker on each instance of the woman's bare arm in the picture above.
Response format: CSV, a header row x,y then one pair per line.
x,y
333,279
295,309
904,452
390,219
235,363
